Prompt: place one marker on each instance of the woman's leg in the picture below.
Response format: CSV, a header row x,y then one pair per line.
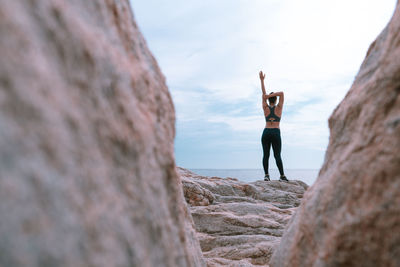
x,y
266,145
277,146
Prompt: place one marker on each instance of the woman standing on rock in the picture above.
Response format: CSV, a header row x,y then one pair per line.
x,y
272,133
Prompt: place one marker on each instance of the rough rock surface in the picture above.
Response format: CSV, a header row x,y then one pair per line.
x,y
351,215
239,223
87,172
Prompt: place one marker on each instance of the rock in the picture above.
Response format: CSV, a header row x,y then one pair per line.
x,y
196,195
87,171
351,215
238,223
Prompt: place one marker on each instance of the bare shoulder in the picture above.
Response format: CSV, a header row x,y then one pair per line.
x,y
279,111
266,109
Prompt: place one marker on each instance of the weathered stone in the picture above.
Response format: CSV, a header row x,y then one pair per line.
x,y
87,172
196,195
351,215
245,221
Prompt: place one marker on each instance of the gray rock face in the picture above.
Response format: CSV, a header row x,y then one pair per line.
x,y
351,215
87,172
239,223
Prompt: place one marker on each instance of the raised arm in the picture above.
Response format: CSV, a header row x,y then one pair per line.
x,y
262,76
281,99
264,95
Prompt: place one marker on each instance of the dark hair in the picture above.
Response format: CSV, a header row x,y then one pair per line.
x,y
272,100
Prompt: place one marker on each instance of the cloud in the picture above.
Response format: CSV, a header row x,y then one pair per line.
x,y
211,52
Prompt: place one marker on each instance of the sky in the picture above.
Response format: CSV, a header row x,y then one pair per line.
x,y
212,50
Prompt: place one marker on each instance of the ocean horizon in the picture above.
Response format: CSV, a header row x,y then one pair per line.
x,y
251,175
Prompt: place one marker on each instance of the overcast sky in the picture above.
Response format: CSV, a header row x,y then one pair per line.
x,y
212,50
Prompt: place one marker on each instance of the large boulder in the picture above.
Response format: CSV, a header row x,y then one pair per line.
x,y
351,215
87,171
238,223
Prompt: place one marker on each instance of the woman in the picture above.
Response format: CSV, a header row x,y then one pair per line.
x,y
272,133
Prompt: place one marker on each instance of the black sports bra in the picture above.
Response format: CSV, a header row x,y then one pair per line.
x,y
272,117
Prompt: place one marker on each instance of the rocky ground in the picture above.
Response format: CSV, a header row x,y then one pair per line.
x,y
237,223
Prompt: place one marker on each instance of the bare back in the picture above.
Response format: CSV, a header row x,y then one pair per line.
x,y
276,109
273,124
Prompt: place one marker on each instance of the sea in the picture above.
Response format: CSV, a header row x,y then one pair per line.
x,y
250,175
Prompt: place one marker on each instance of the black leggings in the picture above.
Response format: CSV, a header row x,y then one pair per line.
x,y
272,136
